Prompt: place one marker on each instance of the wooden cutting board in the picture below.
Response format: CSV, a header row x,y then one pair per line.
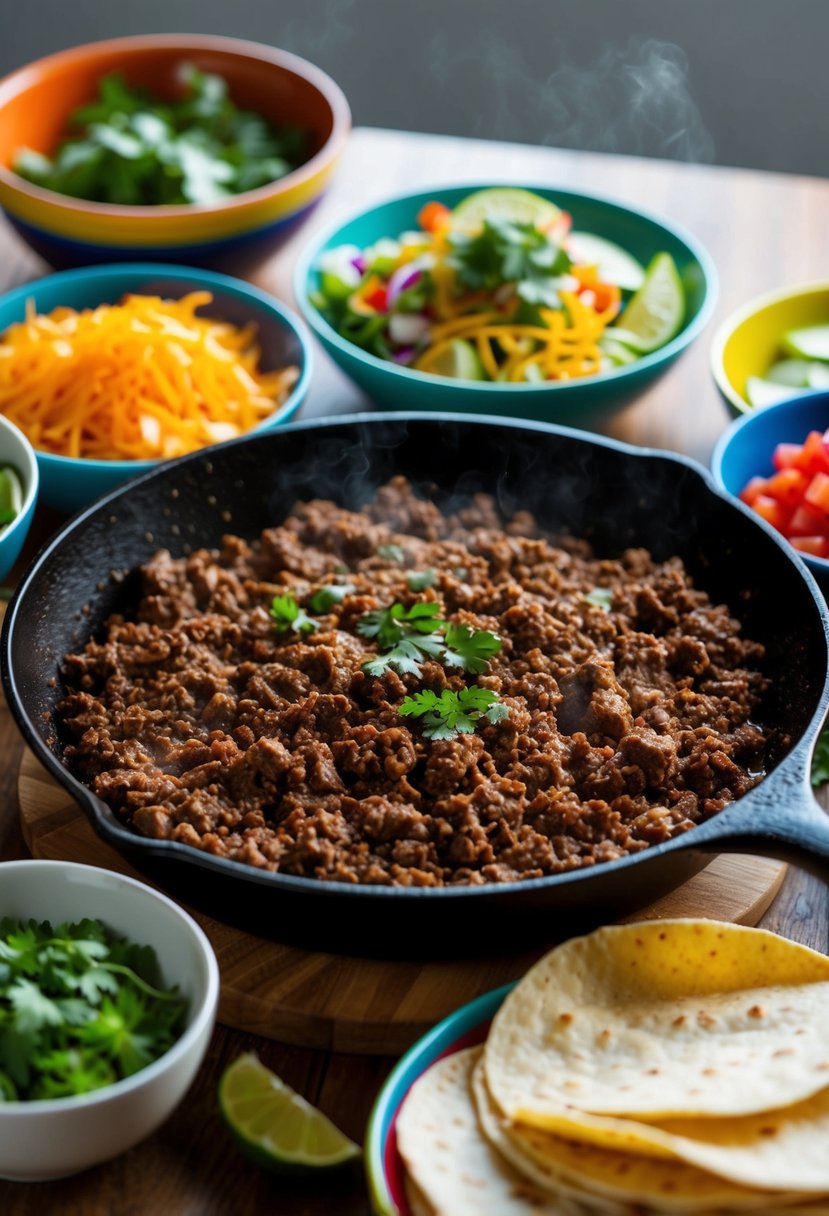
x,y
360,1005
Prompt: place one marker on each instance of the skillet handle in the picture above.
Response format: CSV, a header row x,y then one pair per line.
x,y
780,818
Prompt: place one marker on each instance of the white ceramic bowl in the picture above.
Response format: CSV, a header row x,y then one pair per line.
x,y
15,450
53,1138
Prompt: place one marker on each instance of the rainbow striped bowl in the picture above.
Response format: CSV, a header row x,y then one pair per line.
x,y
233,235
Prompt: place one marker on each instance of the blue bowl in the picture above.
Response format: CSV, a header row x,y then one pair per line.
x,y
568,402
15,450
745,450
67,483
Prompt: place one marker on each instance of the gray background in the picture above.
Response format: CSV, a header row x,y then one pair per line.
x,y
736,82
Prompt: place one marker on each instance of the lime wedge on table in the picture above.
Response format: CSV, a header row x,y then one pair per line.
x,y
458,359
274,1125
655,313
504,203
615,264
11,495
811,342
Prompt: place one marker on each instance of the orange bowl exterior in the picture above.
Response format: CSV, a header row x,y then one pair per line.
x,y
36,102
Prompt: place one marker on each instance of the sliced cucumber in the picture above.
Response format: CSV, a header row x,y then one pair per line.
x,y
615,264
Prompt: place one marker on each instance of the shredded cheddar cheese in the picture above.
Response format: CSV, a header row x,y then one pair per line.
x,y
143,379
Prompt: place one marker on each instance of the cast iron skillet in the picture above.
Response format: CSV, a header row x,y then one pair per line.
x,y
612,494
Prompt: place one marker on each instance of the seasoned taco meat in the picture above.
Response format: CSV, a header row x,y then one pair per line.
x,y
629,700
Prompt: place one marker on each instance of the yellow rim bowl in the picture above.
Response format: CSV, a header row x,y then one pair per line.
x,y
748,341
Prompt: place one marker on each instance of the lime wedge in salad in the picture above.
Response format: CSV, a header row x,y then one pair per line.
x,y
615,264
504,203
655,313
458,359
274,1125
11,495
811,342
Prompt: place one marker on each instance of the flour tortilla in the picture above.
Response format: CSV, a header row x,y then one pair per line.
x,y
612,1179
663,1019
451,1164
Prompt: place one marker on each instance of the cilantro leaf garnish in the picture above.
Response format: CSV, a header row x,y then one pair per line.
x,y
329,595
820,758
78,1009
406,634
391,553
602,597
503,251
468,648
454,713
421,580
287,614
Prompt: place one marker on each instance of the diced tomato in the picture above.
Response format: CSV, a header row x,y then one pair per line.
x,y
756,486
817,492
376,299
433,217
788,486
786,455
806,522
815,546
813,457
772,511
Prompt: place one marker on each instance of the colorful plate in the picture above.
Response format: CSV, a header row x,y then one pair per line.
x,y
384,1168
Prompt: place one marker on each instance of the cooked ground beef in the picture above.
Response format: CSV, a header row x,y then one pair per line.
x,y
198,721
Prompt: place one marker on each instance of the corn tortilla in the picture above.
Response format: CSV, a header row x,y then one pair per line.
x,y
452,1166
660,1020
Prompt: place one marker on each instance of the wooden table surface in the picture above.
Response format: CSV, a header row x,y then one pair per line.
x,y
763,230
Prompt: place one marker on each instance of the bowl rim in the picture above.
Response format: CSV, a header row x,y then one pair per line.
x,y
15,82
202,1015
32,474
686,335
731,434
729,326
171,270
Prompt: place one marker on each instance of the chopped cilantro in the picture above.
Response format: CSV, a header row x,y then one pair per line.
x,y
129,147
329,595
391,553
820,759
287,614
468,648
421,580
602,597
506,252
454,713
79,1009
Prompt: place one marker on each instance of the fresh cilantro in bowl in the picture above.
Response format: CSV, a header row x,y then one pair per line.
x,y
131,148
79,1009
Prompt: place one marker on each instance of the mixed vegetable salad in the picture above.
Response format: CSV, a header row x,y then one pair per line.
x,y
131,148
501,288
801,366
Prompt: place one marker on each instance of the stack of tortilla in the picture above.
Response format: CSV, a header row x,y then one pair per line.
x,y
668,1066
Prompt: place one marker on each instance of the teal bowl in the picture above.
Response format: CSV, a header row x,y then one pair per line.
x,y
572,402
16,451
67,483
466,1027
745,449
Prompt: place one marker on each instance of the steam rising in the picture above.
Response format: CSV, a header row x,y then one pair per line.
x,y
633,99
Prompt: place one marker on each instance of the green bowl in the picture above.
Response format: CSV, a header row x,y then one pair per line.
x,y
748,341
564,402
69,483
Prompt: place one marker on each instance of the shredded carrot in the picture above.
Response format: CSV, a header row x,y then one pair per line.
x,y
144,379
